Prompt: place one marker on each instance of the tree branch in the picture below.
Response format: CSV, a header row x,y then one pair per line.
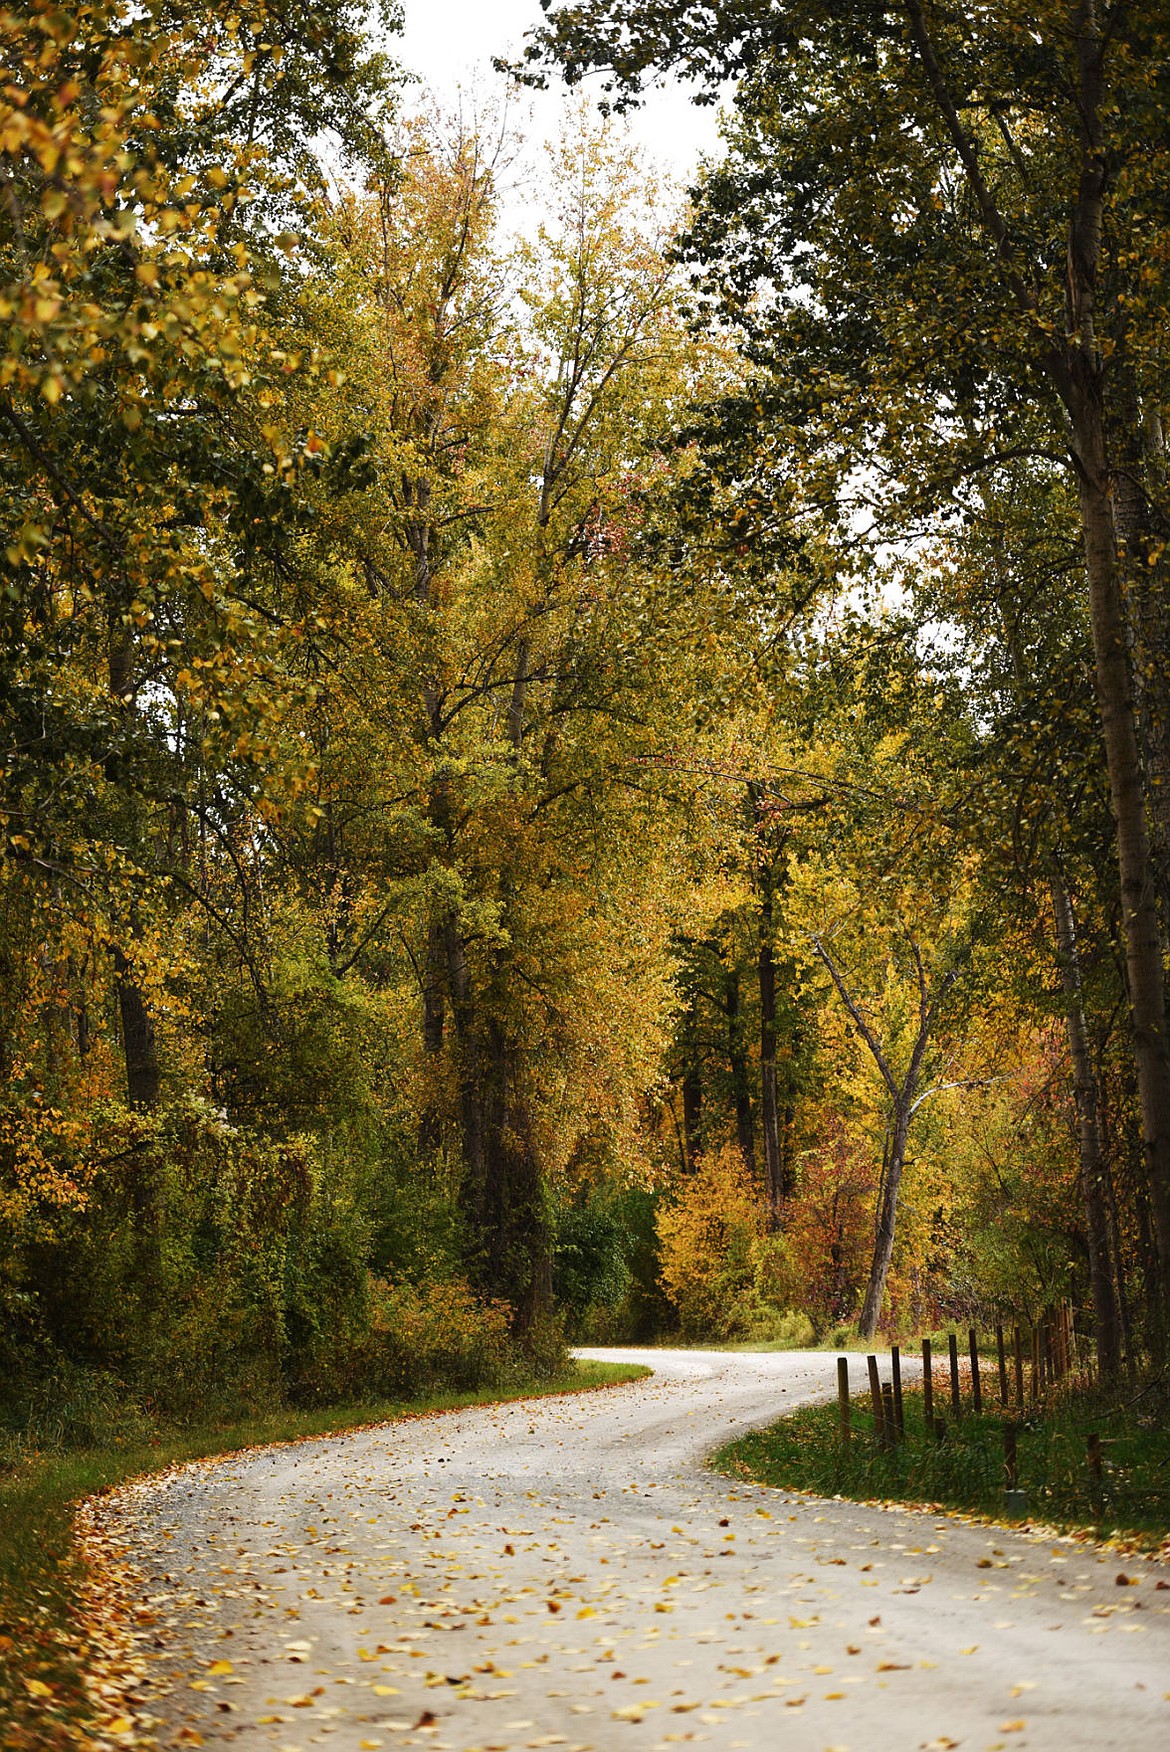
x,y
859,1020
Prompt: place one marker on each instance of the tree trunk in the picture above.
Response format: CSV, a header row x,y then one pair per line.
x,y
883,1249
1077,368
1140,925
518,1253
740,1086
769,1111
1108,1330
902,1108
1142,536
139,1046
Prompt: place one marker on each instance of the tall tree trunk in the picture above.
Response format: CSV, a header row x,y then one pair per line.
x,y
740,1084
1142,538
769,1111
1080,373
883,1247
1077,367
1139,912
514,1215
904,1101
1107,1325
468,1068
139,1046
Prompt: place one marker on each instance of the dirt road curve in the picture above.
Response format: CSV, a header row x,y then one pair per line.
x,y
564,1573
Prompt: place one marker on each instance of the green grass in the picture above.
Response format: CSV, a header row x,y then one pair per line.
x,y
41,1638
965,1471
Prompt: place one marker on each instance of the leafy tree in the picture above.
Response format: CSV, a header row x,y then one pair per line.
x,y
958,223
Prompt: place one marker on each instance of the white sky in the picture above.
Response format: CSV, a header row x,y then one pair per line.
x,y
451,42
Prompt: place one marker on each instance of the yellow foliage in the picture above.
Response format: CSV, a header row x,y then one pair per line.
x,y
724,1273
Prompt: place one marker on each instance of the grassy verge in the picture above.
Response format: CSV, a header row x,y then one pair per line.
x,y
44,1641
965,1471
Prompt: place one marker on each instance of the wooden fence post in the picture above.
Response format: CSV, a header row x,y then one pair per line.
x,y
889,1416
976,1389
896,1370
927,1385
843,1398
875,1393
956,1398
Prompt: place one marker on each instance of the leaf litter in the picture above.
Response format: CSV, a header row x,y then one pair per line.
x,y
371,1565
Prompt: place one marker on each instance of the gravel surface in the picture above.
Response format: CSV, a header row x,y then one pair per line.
x,y
564,1572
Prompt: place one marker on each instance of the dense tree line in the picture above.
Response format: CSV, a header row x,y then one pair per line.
x,y
603,782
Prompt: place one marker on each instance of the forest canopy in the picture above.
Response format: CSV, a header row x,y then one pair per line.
x,y
600,782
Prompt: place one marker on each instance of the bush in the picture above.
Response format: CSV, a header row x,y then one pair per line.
x,y
438,1334
591,1267
727,1277
204,1270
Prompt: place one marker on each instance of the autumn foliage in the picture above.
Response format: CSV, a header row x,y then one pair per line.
x,y
498,843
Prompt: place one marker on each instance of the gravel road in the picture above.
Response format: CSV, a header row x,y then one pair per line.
x,y
564,1572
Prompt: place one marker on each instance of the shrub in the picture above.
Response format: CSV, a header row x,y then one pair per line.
x,y
437,1334
727,1277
